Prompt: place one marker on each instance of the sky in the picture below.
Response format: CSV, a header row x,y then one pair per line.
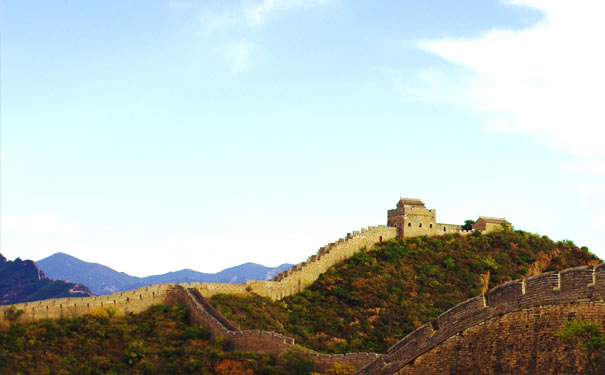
x,y
152,136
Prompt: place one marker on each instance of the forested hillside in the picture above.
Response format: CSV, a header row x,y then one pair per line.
x,y
158,341
378,296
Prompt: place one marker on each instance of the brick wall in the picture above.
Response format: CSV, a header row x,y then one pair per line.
x,y
202,313
526,313
134,301
297,278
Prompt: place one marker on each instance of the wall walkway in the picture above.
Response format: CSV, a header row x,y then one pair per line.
x,y
300,276
202,313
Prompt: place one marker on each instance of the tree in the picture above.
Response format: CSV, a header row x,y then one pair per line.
x,y
297,363
231,367
588,338
468,224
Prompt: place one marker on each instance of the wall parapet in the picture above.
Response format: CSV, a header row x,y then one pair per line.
x,y
584,283
134,301
300,276
276,344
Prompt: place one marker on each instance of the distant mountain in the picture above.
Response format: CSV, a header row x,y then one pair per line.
x,y
235,275
22,281
99,278
104,280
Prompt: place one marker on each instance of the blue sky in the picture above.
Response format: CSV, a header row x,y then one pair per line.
x,y
152,136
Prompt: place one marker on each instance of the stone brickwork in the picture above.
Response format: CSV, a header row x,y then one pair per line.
x,y
509,330
297,278
134,301
411,218
286,283
202,313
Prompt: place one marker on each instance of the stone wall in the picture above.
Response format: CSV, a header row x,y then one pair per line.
x,y
286,283
202,313
525,314
297,278
411,218
134,301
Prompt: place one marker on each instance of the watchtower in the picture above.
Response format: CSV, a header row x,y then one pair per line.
x,y
412,218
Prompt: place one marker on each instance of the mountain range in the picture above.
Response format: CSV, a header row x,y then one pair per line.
x,y
23,281
105,280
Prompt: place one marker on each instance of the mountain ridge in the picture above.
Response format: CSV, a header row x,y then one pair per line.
x,y
22,281
103,280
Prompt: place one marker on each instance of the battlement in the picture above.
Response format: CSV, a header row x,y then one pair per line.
x,y
284,284
574,285
134,301
411,218
299,276
276,344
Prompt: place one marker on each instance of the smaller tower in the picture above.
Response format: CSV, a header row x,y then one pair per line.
x,y
490,224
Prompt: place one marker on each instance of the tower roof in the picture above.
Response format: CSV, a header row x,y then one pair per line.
x,y
411,202
495,220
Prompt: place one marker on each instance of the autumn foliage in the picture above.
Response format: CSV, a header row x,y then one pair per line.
x,y
158,341
378,296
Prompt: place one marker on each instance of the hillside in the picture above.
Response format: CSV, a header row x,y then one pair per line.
x,y
22,281
378,296
105,280
157,341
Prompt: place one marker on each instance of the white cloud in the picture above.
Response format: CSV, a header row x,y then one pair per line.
x,y
41,223
179,4
596,167
240,55
546,80
429,85
249,13
257,12
592,198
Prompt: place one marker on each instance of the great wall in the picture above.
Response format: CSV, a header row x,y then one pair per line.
x,y
514,324
545,301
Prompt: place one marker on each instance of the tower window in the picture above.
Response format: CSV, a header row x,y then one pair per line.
x,y
431,225
409,224
420,225
444,229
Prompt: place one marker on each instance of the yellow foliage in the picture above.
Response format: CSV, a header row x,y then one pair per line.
x,y
341,369
100,313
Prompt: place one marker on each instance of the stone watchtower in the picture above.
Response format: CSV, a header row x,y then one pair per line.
x,y
412,218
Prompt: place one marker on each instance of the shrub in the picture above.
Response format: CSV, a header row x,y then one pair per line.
x,y
588,338
297,363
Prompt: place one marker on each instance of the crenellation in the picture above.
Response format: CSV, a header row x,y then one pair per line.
x,y
576,283
506,296
411,218
464,313
420,334
541,288
570,287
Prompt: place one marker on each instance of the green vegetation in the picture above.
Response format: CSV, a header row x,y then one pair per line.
x,y
588,338
376,297
158,341
468,224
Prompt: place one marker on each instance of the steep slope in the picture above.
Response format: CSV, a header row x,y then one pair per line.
x,y
376,297
104,280
157,341
22,281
